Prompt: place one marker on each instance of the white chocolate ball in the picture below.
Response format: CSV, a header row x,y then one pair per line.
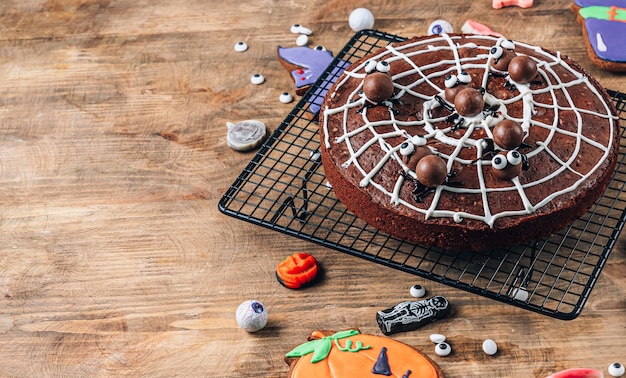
x,y
251,316
361,19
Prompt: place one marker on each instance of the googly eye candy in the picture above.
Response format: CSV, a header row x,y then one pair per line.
x,y
496,52
382,66
319,48
514,157
499,162
406,148
508,44
451,81
464,78
370,66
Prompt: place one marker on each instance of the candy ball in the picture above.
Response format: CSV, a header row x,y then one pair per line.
x,y
508,134
361,19
469,102
443,349
251,316
522,69
490,347
418,153
440,26
616,369
377,87
418,291
431,171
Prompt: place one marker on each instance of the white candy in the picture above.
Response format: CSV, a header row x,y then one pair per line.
x,y
616,369
241,46
257,79
299,29
418,291
285,97
360,19
251,316
439,26
443,349
490,347
437,338
302,40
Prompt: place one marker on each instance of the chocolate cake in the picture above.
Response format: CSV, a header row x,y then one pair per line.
x,y
468,142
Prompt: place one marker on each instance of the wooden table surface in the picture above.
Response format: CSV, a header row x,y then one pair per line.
x,y
115,260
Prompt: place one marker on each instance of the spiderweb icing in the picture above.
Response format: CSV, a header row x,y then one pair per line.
x,y
384,134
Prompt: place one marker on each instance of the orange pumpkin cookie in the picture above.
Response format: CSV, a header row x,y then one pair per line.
x,y
352,354
297,270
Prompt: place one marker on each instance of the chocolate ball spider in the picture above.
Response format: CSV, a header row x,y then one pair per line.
x,y
454,84
430,171
502,54
509,165
378,86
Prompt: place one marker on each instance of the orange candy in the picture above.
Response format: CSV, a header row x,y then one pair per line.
x,y
297,270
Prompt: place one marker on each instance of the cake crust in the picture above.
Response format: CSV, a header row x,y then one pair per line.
x,y
570,143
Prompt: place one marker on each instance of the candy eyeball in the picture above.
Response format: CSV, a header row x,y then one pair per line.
x,y
299,29
443,349
382,66
496,52
251,316
499,162
319,48
370,66
437,338
514,157
464,78
450,81
241,46
302,40
257,79
616,369
439,26
417,291
508,44
407,148
361,19
285,97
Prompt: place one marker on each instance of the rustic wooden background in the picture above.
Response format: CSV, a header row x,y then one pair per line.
x,y
114,258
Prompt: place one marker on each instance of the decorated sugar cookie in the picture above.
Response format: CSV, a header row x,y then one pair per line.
x,y
353,354
604,28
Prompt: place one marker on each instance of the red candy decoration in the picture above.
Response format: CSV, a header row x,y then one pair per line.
x,y
297,270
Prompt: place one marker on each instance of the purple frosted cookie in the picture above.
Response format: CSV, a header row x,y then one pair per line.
x,y
306,65
604,28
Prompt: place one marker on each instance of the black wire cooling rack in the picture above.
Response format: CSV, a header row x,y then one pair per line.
x,y
284,188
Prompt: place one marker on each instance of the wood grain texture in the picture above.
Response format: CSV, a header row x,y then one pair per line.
x,y
114,259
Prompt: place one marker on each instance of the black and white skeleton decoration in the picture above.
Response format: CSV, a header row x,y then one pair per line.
x,y
411,315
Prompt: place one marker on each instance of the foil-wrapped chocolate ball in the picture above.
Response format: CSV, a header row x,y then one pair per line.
x,y
469,102
508,134
377,87
522,69
431,171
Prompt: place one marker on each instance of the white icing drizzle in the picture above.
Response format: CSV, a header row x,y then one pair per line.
x,y
554,84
